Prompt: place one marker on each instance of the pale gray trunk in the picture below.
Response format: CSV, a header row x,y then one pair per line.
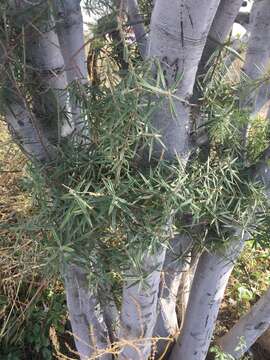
x,y
257,57
248,329
167,323
26,131
50,96
219,31
136,21
71,37
110,312
139,309
88,327
26,127
185,286
178,33
45,56
208,286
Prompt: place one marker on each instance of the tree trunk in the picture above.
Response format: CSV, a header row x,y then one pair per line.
x,y
88,327
248,329
185,287
178,33
208,286
27,132
136,20
50,83
220,29
139,309
257,58
167,323
69,22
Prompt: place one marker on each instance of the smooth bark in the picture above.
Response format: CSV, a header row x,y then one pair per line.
x,y
257,57
178,32
220,29
248,329
173,269
88,327
139,309
69,22
136,20
45,57
208,286
26,132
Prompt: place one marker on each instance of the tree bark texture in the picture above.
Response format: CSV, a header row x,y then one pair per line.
x,y
248,329
166,326
139,309
208,286
178,33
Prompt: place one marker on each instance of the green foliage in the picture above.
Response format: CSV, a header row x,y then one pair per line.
x,y
219,355
107,203
28,336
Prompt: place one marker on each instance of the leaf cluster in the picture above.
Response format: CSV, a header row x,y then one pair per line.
x,y
106,203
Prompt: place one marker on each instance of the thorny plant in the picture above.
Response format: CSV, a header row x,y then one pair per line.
x,y
102,209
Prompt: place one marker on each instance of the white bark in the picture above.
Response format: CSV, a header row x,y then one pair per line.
x,y
139,309
220,29
70,32
174,265
136,20
26,132
178,32
185,286
258,54
45,57
24,125
88,327
209,283
248,329
71,37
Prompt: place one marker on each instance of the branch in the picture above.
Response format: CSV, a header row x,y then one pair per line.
x,y
257,57
220,29
208,286
69,26
248,329
167,323
136,19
